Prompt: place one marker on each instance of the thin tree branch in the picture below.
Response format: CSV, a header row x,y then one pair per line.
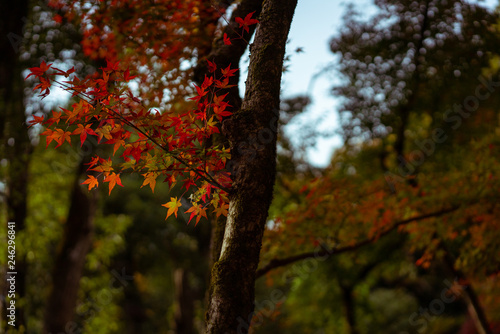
x,y
276,263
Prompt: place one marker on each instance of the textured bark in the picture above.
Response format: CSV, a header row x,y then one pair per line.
x,y
15,146
216,238
252,133
224,55
70,259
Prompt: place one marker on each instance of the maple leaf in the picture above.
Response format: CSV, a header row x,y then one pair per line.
x,y
83,131
104,131
227,41
93,162
150,178
39,71
211,66
113,180
201,92
59,136
207,82
91,181
127,77
198,211
35,120
111,66
56,117
44,86
105,167
228,72
248,21
173,206
223,84
222,210
49,138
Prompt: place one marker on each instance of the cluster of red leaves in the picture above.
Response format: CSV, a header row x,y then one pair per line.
x,y
154,39
155,144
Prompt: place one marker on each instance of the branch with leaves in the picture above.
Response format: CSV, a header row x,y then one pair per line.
x,y
277,263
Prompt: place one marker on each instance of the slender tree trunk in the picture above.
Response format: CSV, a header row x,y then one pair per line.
x,y
473,305
406,109
15,147
70,259
184,299
348,302
252,133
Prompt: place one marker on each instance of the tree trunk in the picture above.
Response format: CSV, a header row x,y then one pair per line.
x,y
16,147
348,302
473,305
252,132
184,299
70,259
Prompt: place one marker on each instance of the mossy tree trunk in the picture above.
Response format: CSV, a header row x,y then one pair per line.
x,y
252,133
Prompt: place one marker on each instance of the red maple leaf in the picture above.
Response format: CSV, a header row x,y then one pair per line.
x,y
39,71
248,21
211,66
36,120
227,41
228,72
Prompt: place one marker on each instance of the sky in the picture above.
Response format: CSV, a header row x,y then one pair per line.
x,y
313,25
315,22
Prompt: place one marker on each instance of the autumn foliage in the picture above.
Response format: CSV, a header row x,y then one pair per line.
x,y
166,142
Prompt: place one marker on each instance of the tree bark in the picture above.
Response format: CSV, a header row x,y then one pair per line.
x,y
252,133
70,259
226,55
16,147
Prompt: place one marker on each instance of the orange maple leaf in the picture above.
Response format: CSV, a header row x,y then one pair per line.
x,y
222,210
198,211
91,181
83,131
173,206
113,179
150,178
35,120
58,135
